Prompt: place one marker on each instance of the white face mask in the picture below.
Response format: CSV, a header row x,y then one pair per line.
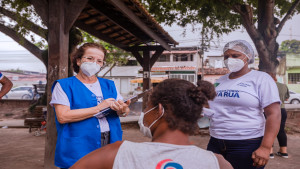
x,y
90,68
234,65
146,130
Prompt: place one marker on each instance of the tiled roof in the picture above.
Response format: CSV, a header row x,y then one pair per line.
x,y
214,71
180,52
173,68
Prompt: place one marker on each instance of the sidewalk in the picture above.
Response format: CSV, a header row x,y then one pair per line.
x,y
19,123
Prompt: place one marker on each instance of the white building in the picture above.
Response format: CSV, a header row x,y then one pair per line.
x,y
182,63
122,75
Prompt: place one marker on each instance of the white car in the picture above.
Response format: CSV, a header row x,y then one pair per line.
x,y
294,98
21,92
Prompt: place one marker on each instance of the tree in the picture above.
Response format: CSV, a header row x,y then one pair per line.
x,y
19,21
290,46
259,17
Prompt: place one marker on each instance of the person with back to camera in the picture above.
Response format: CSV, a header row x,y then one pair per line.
x,y
238,128
6,85
77,99
284,95
171,116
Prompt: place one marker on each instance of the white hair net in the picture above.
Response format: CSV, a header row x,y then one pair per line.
x,y
241,46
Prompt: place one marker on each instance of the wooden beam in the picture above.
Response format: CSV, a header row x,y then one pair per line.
x,y
146,76
138,57
103,23
58,41
156,55
125,10
119,19
99,35
72,11
146,48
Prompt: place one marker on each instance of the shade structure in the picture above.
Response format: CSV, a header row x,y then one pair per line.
x,y
153,80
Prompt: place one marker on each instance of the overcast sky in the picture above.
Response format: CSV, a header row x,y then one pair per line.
x,y
291,30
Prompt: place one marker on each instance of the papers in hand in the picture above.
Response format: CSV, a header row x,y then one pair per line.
x,y
107,110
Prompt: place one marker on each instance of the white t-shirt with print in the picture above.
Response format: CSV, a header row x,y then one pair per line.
x,y
60,97
238,106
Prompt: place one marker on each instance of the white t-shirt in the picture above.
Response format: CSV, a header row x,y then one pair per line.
x,y
60,97
238,106
151,155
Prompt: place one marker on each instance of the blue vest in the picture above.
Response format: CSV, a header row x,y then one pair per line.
x,y
77,139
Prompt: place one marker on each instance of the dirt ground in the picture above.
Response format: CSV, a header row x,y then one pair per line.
x,y
20,149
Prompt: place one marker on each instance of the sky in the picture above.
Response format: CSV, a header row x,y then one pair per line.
x,y
291,30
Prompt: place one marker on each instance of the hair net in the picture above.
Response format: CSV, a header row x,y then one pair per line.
x,y
241,46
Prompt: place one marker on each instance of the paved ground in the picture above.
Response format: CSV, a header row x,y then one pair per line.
x,y
20,149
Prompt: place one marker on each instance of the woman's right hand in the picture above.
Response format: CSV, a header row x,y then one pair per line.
x,y
106,103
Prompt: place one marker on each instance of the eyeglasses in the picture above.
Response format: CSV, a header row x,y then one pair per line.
x,y
92,59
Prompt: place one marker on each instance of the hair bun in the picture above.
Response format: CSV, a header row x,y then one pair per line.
x,y
207,89
203,92
197,95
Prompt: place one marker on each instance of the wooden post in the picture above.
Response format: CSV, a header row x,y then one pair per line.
x,y
58,41
147,62
146,75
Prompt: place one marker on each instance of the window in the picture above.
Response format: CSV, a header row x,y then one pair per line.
x,y
164,58
182,58
294,78
188,77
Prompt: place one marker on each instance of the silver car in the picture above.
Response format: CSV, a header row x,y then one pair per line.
x,y
21,92
294,98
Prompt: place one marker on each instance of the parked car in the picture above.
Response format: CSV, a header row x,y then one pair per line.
x,y
21,92
294,98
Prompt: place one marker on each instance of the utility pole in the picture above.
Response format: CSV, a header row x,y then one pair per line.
x,y
202,54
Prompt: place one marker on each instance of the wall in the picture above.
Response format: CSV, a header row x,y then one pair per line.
x,y
293,87
14,108
211,78
196,61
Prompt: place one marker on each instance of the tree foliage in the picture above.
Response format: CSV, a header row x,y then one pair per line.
x,y
263,20
219,16
290,46
19,20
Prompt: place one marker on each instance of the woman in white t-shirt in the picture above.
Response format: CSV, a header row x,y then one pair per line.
x,y
171,115
238,127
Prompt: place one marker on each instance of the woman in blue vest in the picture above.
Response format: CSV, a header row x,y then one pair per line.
x,y
77,99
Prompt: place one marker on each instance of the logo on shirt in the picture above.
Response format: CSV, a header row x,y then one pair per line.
x,y
168,164
228,93
99,99
243,84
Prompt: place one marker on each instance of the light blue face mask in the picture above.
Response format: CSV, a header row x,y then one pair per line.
x,y
146,130
90,68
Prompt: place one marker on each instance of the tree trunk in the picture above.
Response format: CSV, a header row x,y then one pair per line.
x,y
264,37
267,29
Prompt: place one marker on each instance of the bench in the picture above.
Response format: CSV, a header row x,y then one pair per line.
x,y
33,122
35,119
